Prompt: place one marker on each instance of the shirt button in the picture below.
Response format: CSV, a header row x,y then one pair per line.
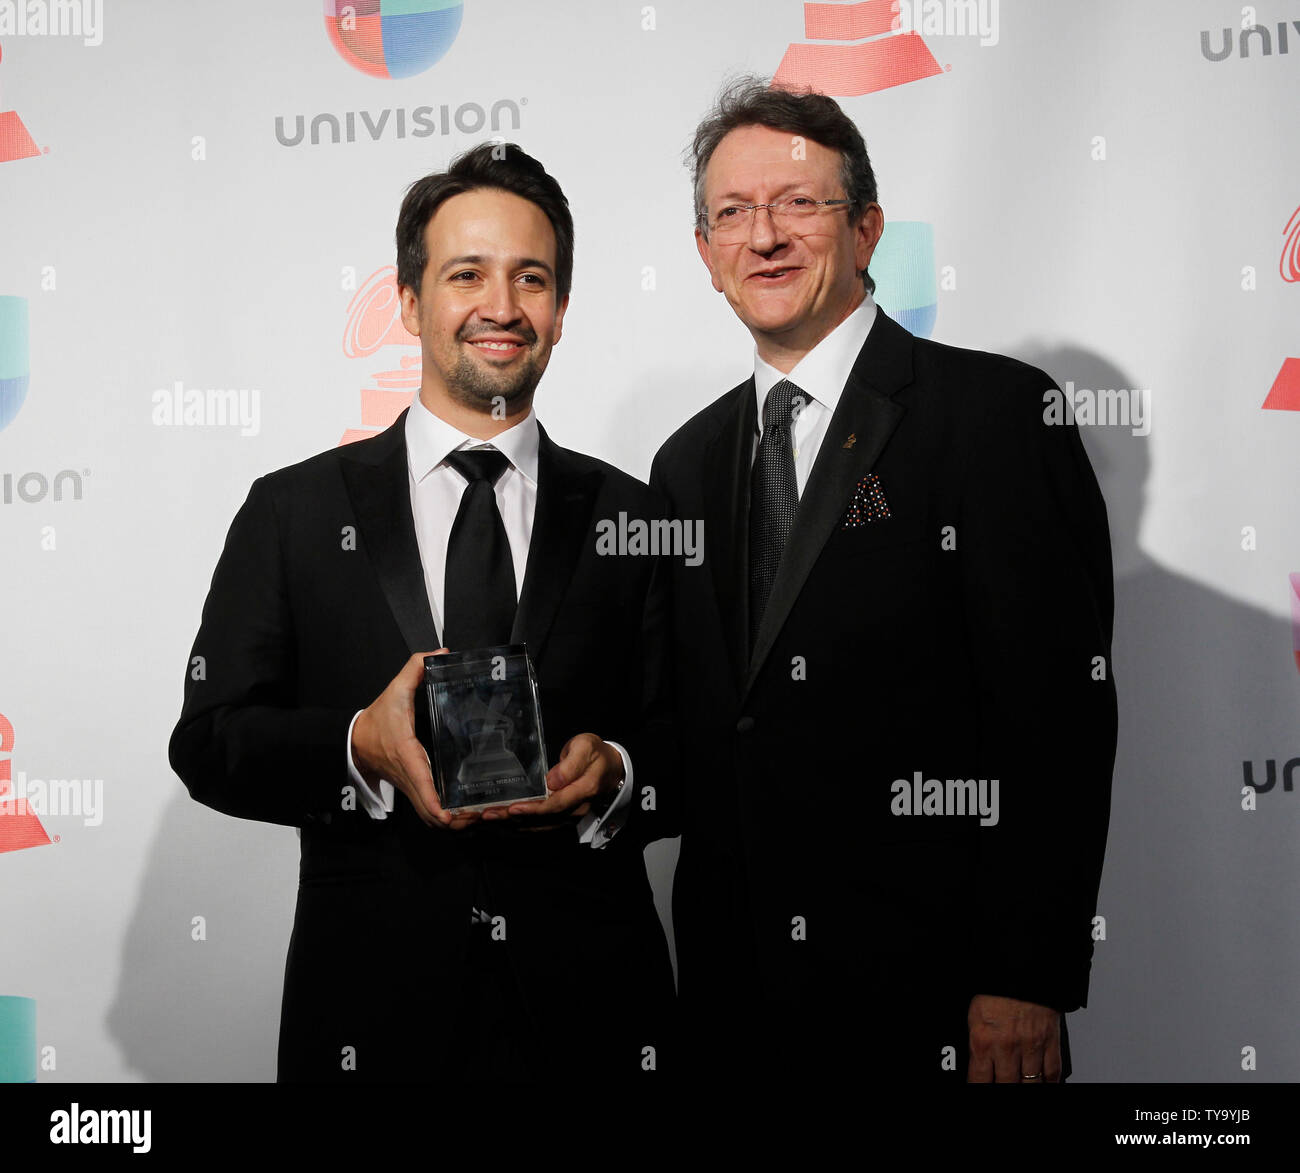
x,y
745,724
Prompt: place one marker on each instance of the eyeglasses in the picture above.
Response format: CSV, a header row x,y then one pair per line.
x,y
792,213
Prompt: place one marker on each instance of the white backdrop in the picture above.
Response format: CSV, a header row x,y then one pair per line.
x,y
1106,201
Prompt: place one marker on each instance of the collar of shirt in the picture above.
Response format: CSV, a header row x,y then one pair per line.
x,y
429,439
823,371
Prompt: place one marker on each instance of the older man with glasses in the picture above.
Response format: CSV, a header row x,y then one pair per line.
x,y
892,672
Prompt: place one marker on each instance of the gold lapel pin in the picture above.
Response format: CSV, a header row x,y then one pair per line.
x,y
853,439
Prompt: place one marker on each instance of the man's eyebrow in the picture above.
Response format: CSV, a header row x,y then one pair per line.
x,y
517,263
743,198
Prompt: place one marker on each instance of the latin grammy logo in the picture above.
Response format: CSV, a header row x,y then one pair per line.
x,y
15,141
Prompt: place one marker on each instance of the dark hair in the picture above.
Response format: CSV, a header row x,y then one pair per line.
x,y
504,166
750,101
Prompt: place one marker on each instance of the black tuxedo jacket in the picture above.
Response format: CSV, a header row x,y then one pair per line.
x,y
316,603
943,608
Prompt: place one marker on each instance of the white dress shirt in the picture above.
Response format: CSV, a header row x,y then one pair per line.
x,y
436,491
820,375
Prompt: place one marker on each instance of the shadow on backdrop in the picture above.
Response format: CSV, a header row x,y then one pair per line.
x,y
1202,942
207,1010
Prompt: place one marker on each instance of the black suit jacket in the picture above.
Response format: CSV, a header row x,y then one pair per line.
x,y
316,603
964,635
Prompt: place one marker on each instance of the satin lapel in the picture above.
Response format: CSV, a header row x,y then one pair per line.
x,y
868,414
377,480
562,521
727,462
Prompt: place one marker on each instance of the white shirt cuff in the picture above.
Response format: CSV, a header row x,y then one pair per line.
x,y
597,830
377,806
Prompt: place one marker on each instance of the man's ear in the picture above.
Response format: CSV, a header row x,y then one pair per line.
x,y
867,234
559,318
703,246
410,309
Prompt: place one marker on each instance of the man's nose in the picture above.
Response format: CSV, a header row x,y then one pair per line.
x,y
765,234
500,301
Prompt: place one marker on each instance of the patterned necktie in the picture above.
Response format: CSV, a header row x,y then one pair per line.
x,y
774,497
479,598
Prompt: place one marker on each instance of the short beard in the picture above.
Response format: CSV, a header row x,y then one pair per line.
x,y
482,390
472,386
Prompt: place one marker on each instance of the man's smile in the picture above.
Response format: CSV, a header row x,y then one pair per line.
x,y
498,345
774,275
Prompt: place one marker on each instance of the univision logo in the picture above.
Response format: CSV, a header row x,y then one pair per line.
x,y
393,38
1270,775
422,122
17,1039
34,487
15,362
1264,40
903,269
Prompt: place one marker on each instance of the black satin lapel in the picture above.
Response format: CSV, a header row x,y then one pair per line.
x,y
726,524
867,414
378,484
562,521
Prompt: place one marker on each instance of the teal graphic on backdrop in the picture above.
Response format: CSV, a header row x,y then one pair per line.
x,y
15,369
903,269
17,1040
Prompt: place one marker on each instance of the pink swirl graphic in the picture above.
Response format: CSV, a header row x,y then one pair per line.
x,y
1290,263
375,316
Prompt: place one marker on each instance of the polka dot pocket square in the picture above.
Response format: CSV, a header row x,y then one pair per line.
x,y
867,504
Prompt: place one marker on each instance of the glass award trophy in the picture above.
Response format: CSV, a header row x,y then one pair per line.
x,y
486,728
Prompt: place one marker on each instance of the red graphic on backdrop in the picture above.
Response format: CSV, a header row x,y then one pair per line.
x,y
1289,266
1295,617
15,142
18,826
1284,395
375,321
890,58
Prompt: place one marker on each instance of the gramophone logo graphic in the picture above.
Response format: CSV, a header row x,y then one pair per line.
x,y
1295,616
374,322
1284,395
15,142
489,767
868,51
18,826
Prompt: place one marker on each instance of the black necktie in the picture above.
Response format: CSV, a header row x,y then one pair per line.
x,y
774,497
480,585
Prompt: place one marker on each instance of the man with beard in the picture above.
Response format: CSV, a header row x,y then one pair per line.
x,y
428,944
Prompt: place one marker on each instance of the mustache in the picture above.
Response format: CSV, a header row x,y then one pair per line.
x,y
524,331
